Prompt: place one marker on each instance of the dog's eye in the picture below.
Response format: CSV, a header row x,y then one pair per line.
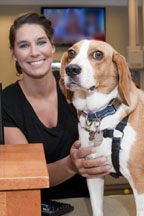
x,y
98,55
71,53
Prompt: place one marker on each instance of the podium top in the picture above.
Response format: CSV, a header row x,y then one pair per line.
x,y
23,166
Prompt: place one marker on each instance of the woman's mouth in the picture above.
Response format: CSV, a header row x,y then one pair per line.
x,y
37,63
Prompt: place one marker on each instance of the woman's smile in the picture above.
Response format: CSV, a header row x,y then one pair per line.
x,y
37,63
33,50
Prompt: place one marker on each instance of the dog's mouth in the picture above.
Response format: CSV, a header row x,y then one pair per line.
x,y
73,85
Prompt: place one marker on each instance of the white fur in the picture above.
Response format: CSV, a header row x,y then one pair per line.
x,y
139,203
90,103
96,186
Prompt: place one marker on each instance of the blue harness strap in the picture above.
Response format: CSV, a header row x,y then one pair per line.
x,y
116,141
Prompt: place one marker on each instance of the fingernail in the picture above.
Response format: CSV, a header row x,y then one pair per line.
x,y
108,167
103,159
93,150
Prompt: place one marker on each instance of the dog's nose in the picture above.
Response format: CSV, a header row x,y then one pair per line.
x,y
73,70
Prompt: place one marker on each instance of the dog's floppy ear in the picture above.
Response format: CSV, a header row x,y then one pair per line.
x,y
125,79
67,93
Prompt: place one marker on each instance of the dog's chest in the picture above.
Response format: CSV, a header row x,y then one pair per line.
x,y
89,138
104,148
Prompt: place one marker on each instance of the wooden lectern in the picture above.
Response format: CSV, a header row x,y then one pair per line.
x,y
23,172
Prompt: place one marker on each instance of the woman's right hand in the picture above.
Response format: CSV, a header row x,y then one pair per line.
x,y
88,167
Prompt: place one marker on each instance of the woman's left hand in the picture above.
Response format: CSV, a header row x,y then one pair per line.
x,y
88,167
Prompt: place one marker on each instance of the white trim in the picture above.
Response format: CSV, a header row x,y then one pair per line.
x,y
56,65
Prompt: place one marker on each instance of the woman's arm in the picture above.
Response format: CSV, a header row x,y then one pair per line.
x,y
74,163
67,167
59,171
13,135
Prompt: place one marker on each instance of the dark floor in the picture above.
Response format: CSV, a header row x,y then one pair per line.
x,y
125,191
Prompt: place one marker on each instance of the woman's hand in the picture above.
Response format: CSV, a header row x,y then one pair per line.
x,y
88,167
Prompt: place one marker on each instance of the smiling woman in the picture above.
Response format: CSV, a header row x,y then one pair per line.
x,y
35,110
33,51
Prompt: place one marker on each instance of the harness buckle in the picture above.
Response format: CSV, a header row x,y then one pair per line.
x,y
88,122
97,122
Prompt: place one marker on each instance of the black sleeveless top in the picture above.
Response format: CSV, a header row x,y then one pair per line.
x,y
17,112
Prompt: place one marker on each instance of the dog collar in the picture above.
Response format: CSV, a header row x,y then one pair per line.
x,y
109,110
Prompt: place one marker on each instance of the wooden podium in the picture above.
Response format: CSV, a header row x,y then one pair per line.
x,y
23,172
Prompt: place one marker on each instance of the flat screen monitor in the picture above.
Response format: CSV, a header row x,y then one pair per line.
x,y
73,24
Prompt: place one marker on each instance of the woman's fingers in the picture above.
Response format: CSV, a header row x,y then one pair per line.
x,y
95,162
78,152
88,167
94,171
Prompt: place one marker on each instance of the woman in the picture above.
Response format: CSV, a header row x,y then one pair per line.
x,y
35,110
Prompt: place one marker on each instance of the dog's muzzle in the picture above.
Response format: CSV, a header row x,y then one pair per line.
x,y
73,70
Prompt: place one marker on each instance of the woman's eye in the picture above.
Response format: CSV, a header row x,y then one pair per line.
x,y
41,43
98,55
71,53
24,46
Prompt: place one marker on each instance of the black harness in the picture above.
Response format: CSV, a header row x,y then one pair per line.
x,y
116,147
116,140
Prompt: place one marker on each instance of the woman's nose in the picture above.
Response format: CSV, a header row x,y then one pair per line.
x,y
34,50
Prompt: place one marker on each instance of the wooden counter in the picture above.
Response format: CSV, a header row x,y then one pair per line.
x,y
23,172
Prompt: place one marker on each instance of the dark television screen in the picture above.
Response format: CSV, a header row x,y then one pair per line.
x,y
73,24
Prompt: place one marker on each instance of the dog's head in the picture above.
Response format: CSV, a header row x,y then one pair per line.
x,y
91,65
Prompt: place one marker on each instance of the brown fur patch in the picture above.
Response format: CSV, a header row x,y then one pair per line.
x,y
136,160
79,114
124,86
64,62
106,75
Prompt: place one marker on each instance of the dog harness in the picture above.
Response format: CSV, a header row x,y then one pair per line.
x,y
107,133
116,145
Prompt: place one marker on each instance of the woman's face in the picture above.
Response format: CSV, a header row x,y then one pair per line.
x,y
33,50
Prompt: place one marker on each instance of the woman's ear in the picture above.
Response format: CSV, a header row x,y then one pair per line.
x,y
13,55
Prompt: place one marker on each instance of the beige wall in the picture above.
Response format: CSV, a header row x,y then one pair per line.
x,y
116,35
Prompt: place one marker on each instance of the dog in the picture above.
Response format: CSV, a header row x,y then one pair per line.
x,y
110,108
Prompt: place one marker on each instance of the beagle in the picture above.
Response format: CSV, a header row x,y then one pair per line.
x,y
110,108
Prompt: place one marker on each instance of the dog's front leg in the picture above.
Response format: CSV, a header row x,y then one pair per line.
x,y
96,191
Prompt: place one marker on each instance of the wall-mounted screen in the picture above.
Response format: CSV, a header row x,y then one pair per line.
x,y
73,24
